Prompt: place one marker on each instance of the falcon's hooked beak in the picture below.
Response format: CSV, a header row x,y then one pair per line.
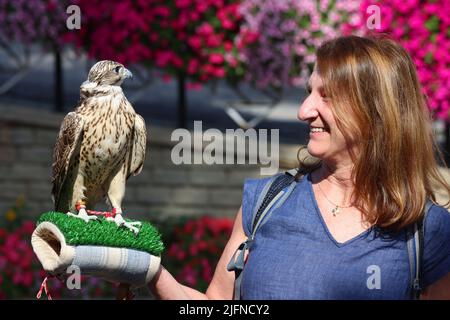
x,y
127,74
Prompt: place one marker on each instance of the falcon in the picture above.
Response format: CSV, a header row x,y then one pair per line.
x,y
99,146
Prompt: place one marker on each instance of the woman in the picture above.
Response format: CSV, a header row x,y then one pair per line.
x,y
341,233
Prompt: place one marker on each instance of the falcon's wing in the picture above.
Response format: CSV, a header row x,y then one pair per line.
x,y
137,154
69,140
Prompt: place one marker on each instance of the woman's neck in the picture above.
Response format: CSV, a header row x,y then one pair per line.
x,y
340,175
335,181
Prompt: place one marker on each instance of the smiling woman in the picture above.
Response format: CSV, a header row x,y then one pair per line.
x,y
341,231
380,124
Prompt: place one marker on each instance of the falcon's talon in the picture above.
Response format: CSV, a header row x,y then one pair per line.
x,y
82,214
132,226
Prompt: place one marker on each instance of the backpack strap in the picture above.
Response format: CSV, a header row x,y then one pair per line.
x,y
273,195
415,245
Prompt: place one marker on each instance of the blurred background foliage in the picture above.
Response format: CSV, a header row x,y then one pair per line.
x,y
193,247
268,44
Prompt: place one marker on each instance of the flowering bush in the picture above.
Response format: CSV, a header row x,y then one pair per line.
x,y
284,37
424,33
17,266
195,37
30,21
21,273
194,248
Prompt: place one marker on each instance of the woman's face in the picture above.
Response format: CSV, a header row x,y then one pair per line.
x,y
326,140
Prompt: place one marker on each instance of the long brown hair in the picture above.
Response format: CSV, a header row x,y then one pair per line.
x,y
376,97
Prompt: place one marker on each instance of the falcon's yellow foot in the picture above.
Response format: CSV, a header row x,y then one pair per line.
x,y
120,222
82,214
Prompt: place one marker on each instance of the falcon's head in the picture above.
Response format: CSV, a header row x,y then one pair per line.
x,y
108,72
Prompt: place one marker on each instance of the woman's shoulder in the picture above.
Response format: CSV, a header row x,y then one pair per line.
x,y
255,182
260,182
254,186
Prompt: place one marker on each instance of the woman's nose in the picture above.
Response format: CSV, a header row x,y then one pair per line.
x,y
307,110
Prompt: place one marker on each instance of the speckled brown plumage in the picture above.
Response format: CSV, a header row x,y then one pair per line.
x,y
99,145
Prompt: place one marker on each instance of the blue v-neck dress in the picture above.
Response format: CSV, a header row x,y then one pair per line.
x,y
294,256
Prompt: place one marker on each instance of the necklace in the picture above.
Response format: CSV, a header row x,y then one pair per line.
x,y
335,210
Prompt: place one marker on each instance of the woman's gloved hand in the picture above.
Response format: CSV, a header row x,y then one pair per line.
x,y
120,265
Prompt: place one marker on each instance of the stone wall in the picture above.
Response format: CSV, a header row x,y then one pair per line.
x,y
27,137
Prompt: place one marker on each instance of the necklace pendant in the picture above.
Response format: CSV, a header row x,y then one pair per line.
x,y
335,211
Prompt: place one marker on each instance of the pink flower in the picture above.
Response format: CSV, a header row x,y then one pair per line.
x,y
163,58
219,72
181,255
2,262
17,278
206,270
193,250
227,24
228,46
28,227
216,58
177,62
194,16
205,29
231,60
195,42
202,6
213,41
193,66
51,6
189,276
162,11
182,4
27,278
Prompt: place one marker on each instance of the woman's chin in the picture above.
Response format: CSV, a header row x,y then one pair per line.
x,y
315,151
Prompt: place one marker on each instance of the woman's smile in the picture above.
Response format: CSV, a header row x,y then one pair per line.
x,y
317,131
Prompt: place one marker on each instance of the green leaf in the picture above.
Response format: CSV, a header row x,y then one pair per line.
x,y
304,22
432,24
291,14
317,34
429,58
433,37
215,22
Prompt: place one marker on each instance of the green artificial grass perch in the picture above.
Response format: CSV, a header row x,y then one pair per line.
x,y
105,233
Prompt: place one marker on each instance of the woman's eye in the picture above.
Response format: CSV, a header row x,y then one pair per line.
x,y
323,95
117,69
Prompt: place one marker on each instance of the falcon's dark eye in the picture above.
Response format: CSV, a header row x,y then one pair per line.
x,y
117,69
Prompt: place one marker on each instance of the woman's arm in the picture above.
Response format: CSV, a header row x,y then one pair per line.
x,y
165,286
440,290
